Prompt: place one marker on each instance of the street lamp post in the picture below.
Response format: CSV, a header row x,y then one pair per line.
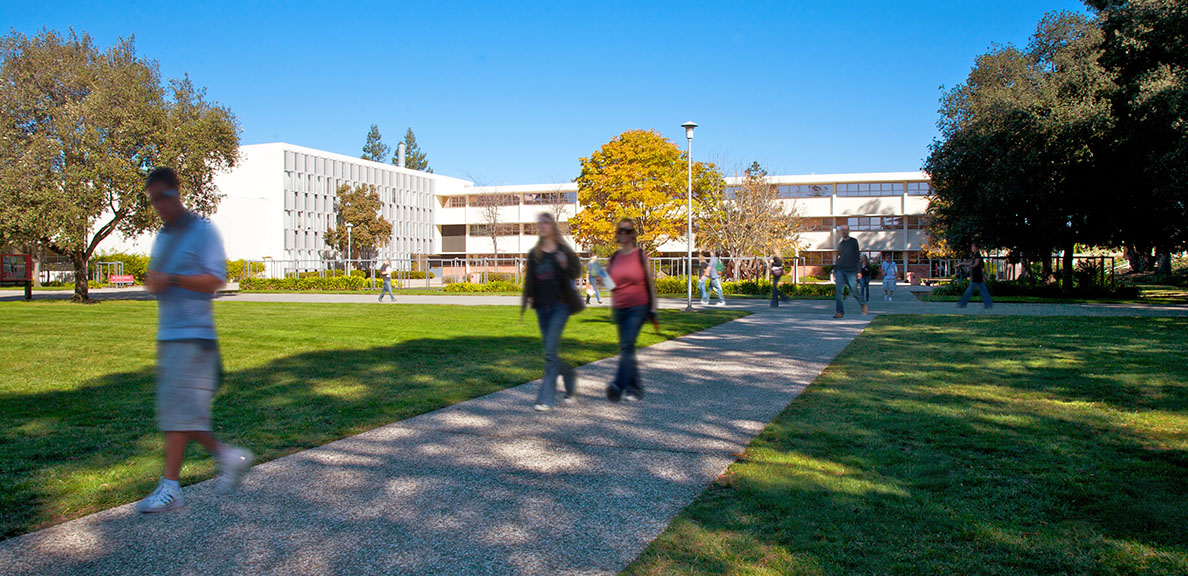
x,y
689,126
348,266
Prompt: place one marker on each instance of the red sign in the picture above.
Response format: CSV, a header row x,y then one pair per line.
x,y
16,268
122,279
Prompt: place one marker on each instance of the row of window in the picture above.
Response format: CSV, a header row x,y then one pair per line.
x,y
857,223
528,199
296,240
484,230
355,172
844,190
826,258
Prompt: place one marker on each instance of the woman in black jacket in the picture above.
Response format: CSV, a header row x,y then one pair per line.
x,y
550,290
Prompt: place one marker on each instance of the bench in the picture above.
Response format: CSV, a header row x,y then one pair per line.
x,y
121,280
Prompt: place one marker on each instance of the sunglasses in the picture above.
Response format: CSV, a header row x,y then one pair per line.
x,y
626,230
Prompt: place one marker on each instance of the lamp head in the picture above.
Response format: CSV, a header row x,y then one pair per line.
x,y
689,126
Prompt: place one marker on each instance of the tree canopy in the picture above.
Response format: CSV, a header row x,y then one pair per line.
x,y
1081,138
1016,163
359,206
375,149
749,220
81,127
1146,48
639,175
414,157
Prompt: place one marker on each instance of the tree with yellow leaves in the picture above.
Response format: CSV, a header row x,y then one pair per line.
x,y
639,175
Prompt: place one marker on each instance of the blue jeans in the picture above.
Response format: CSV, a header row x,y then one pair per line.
x,y
714,284
981,288
629,321
841,279
552,324
865,287
387,289
776,295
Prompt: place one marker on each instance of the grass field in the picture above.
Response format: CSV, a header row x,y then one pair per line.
x,y
954,445
77,429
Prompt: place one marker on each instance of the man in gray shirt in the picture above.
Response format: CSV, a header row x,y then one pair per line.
x,y
845,271
185,270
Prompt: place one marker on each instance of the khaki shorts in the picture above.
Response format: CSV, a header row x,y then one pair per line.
x,y
188,373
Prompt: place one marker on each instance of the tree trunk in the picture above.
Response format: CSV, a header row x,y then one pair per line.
x,y
81,287
1067,273
1135,257
1047,268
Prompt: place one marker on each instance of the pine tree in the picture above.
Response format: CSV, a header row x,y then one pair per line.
x,y
374,150
413,156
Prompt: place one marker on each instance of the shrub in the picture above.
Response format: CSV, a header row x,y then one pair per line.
x,y
239,269
463,287
1039,289
501,286
340,283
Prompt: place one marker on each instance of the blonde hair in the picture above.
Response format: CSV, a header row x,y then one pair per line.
x,y
556,233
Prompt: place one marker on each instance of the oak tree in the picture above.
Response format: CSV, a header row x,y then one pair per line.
x,y
361,207
80,128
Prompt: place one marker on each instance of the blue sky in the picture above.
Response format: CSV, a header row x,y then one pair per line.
x,y
515,93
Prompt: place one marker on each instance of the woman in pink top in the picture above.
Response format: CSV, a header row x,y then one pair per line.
x,y
633,302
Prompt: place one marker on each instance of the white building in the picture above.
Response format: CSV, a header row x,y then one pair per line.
x,y
281,199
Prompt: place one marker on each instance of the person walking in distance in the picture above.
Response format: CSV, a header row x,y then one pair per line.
x,y
703,275
977,279
714,271
186,268
864,275
386,273
633,302
592,279
890,275
845,271
549,289
777,272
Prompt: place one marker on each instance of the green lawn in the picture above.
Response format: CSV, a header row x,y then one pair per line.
x,y
957,445
77,431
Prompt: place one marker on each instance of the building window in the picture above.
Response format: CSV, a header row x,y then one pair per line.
x,y
870,189
817,258
918,189
817,224
805,190
495,199
917,222
548,198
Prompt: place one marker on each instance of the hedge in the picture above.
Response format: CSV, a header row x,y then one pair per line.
x,y
1039,290
675,285
340,283
496,286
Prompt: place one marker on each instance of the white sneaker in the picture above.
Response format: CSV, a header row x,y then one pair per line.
x,y
719,303
163,499
233,463
542,407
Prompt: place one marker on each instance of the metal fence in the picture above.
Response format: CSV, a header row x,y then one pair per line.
x,y
430,273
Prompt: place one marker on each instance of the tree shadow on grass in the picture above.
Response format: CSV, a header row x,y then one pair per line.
x,y
934,454
286,405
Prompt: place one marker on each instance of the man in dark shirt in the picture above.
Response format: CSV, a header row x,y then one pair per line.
x,y
845,271
977,280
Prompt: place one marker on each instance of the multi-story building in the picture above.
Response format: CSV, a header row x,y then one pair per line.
x,y
281,199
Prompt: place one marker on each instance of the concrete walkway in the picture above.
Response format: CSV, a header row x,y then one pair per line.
x,y
483,487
